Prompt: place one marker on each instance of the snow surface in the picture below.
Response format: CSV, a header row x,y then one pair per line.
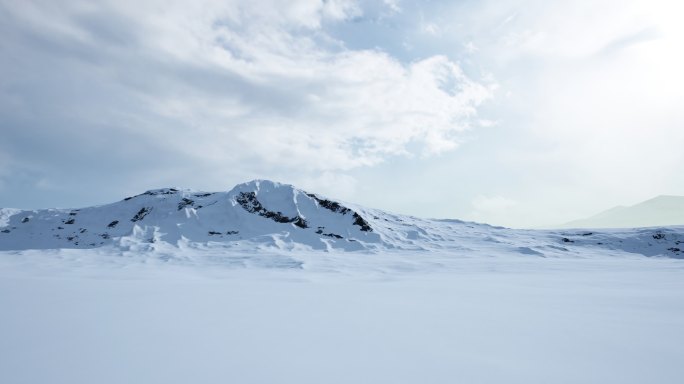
x,y
95,316
408,301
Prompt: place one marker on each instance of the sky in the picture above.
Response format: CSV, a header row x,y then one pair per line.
x,y
523,113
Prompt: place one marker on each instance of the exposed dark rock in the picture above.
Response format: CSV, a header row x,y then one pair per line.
x,y
113,224
165,191
184,203
250,203
141,214
320,232
361,222
329,204
232,232
212,233
659,236
82,230
202,194
301,223
73,213
566,240
339,208
105,236
674,249
25,220
5,231
70,221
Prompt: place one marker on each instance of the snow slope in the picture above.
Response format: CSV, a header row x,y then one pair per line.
x,y
264,215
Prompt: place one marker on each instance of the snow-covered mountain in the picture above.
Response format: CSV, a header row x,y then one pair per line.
x,y
658,211
267,215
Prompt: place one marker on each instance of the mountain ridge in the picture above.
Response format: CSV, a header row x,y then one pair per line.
x,y
271,216
662,210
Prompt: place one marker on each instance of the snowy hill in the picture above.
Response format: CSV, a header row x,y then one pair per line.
x,y
659,211
261,212
265,215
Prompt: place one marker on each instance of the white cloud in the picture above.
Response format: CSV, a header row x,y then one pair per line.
x,y
233,88
393,5
470,47
432,29
591,117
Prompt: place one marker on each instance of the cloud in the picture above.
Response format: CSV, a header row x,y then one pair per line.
x,y
393,5
165,91
591,117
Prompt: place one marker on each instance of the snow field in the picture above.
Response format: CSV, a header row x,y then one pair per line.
x,y
83,317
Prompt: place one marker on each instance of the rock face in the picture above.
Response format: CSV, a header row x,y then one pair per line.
x,y
250,202
264,215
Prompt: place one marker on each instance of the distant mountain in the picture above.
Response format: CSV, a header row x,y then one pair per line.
x,y
263,216
659,211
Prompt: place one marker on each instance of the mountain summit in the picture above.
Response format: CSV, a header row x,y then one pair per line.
x,y
265,215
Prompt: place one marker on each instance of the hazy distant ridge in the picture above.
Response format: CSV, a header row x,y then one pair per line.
x,y
659,211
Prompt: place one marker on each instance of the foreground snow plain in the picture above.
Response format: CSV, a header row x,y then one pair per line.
x,y
107,316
